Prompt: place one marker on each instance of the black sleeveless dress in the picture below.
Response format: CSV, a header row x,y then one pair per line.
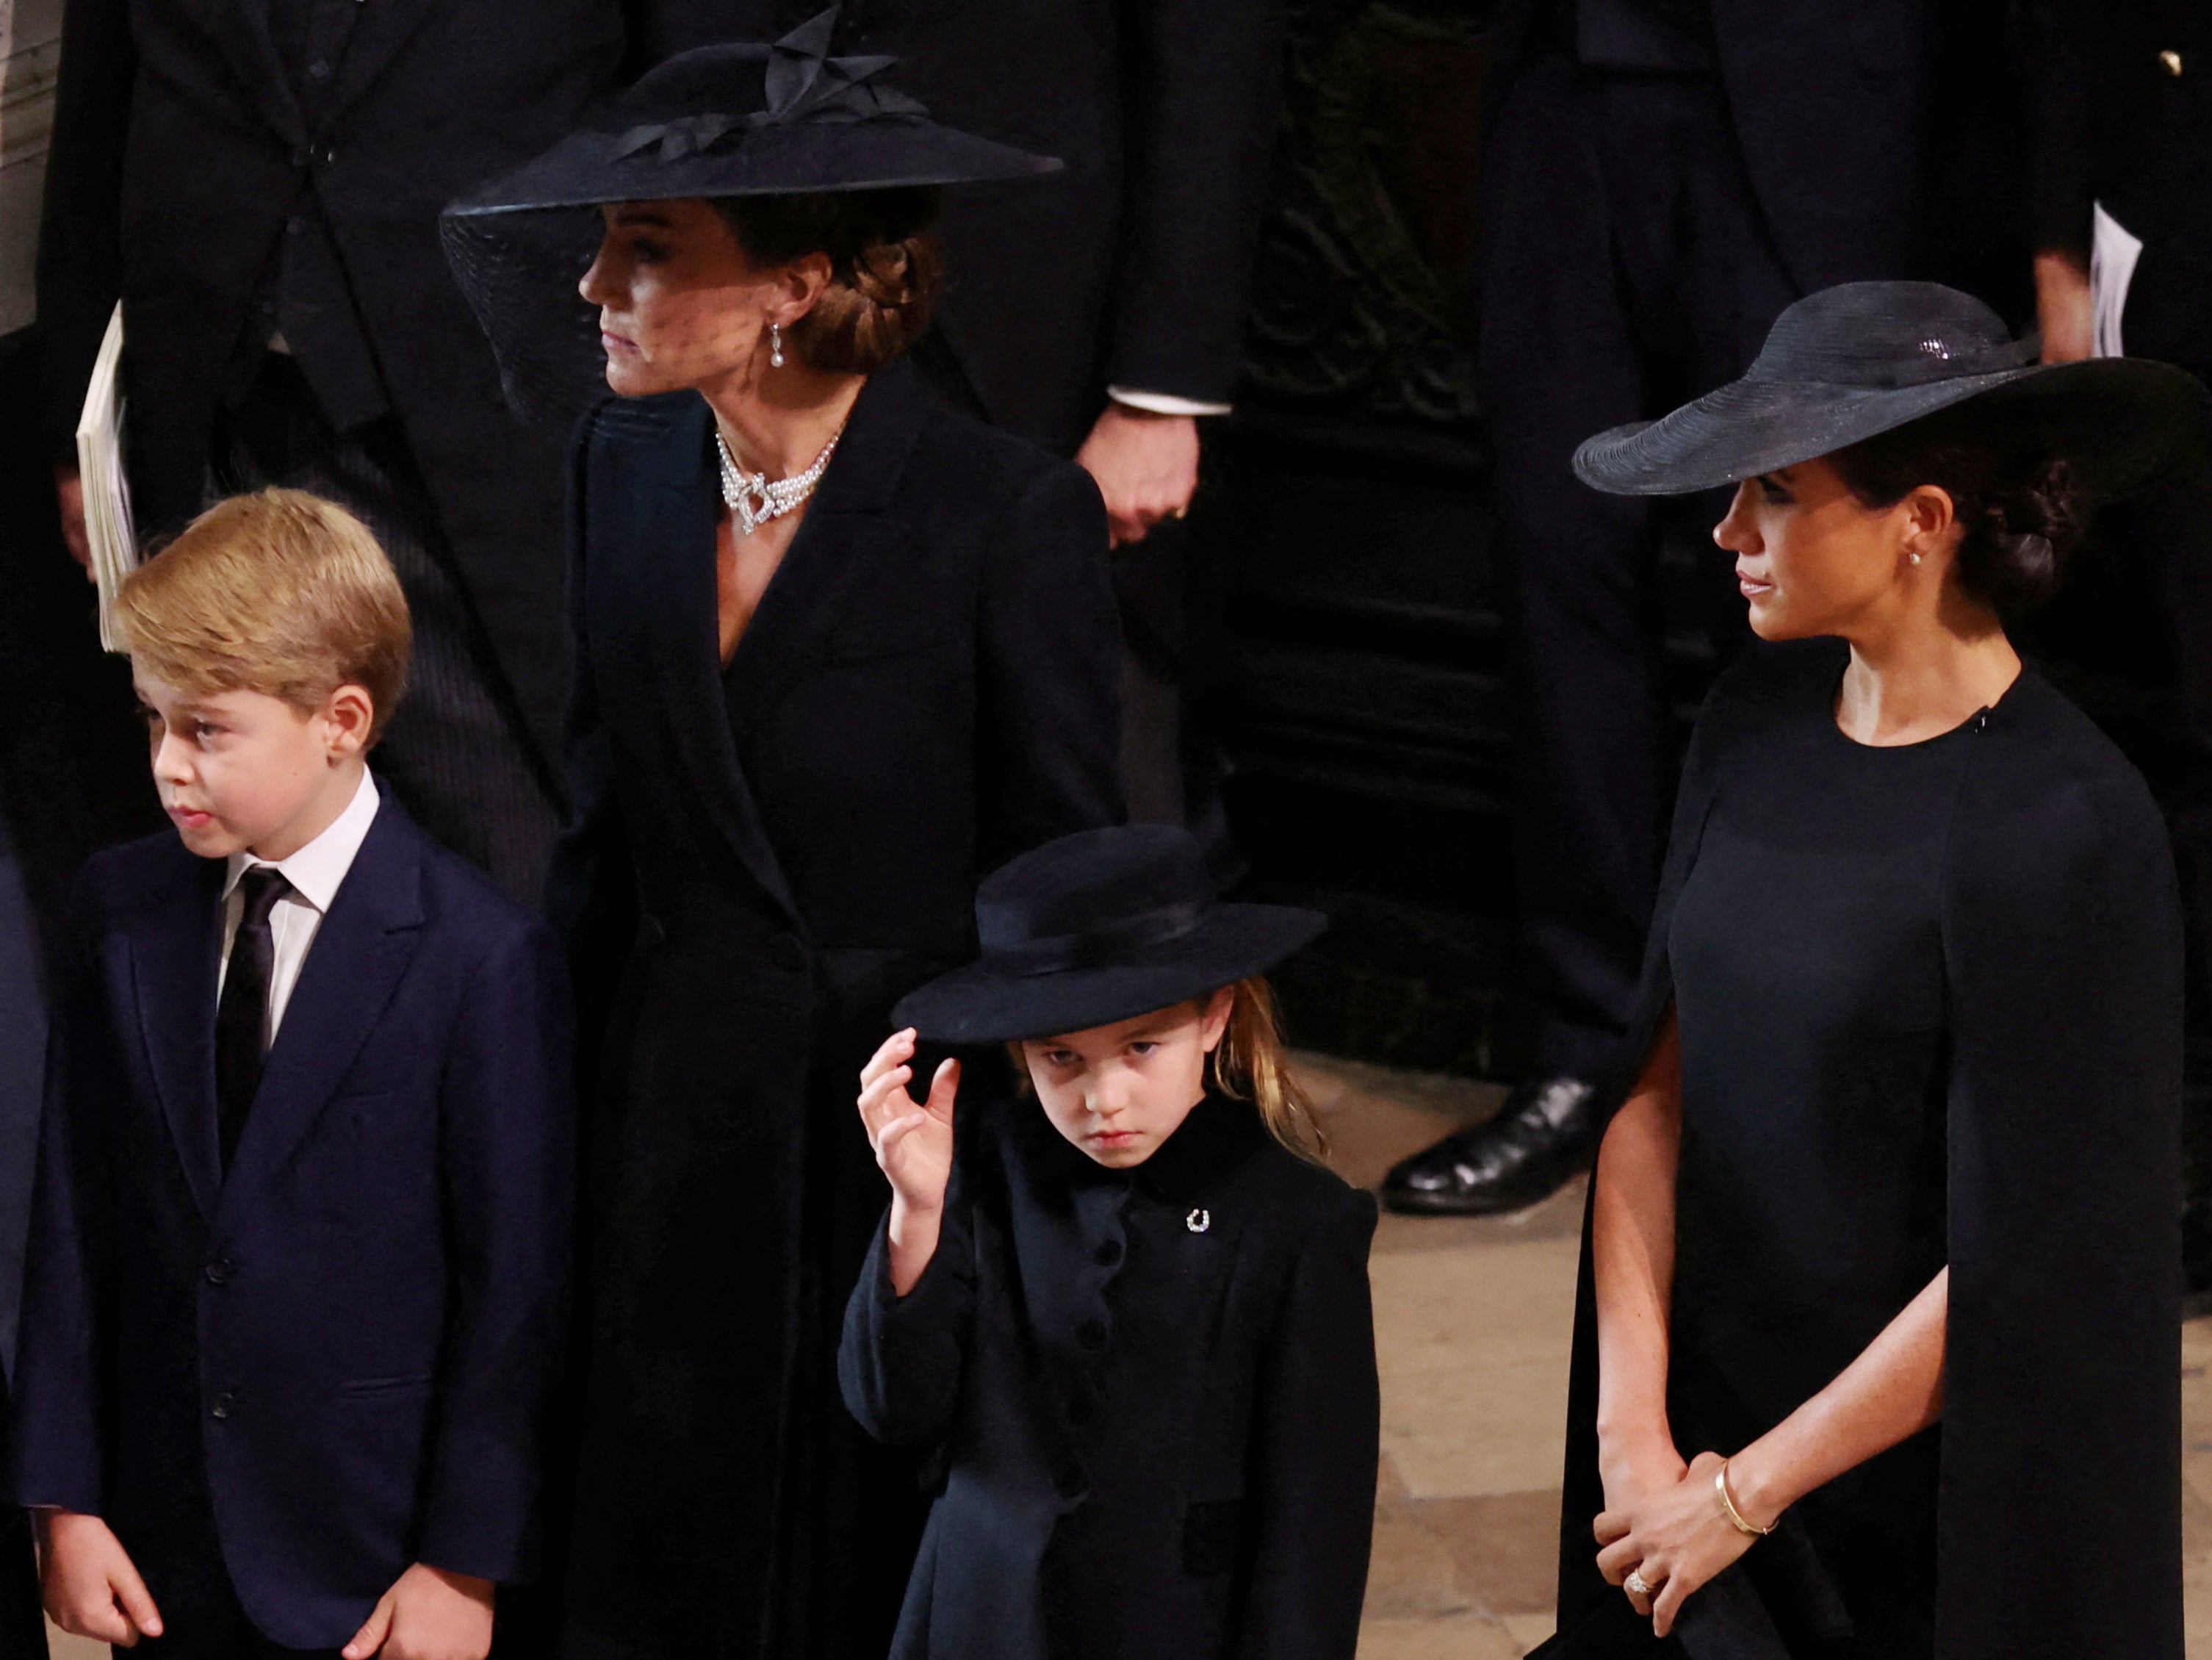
x,y
1928,999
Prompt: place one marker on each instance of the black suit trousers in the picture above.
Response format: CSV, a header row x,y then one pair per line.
x,y
1624,267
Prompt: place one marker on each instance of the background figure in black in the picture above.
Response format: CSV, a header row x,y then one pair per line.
x,y
22,1054
261,183
1103,316
2129,93
1663,177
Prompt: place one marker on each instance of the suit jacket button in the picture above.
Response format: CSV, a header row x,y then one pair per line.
x,y
789,954
1108,1254
1091,1334
223,1405
1079,1408
218,1272
1070,1481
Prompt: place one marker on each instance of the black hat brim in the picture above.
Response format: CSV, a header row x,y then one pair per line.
x,y
585,169
981,1004
2120,420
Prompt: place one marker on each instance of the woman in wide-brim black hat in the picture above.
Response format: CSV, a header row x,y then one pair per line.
x,y
1875,1351
838,651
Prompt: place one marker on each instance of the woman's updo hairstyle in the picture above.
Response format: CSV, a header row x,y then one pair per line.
x,y
883,262
2022,510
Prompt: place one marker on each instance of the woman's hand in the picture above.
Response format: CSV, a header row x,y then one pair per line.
x,y
1675,1539
913,1149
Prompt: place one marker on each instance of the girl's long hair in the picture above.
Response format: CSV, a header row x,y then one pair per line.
x,y
1251,1063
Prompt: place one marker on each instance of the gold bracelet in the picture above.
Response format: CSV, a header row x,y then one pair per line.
x,y
1734,1515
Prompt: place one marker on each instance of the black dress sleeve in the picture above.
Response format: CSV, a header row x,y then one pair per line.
x,y
2060,1532
1049,676
1317,1428
80,266
899,1365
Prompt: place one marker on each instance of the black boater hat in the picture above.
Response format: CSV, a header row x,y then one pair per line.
x,y
1862,358
743,118
1098,927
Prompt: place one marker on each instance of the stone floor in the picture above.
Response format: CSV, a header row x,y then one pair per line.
x,y
1472,1323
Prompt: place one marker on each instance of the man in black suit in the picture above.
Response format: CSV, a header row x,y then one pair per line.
x,y
1662,177
1100,312
260,184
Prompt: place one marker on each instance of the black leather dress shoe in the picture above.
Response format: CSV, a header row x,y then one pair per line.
x,y
1546,1133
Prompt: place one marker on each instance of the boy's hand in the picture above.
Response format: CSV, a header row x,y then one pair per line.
x,y
88,1584
427,1614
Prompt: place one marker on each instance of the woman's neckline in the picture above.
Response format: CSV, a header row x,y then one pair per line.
x,y
1972,722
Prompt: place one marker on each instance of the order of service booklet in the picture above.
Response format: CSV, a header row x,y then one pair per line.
x,y
107,524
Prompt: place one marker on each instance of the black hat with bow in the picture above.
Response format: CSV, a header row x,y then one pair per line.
x,y
1098,927
742,118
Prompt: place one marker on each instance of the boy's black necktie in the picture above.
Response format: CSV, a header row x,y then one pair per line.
x,y
242,1014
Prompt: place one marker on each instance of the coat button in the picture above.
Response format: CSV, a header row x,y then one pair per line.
x,y
788,954
222,1406
1108,1254
319,70
1091,1334
1070,1481
218,1271
295,226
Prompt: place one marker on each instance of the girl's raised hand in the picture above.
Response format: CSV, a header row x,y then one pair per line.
x,y
912,1140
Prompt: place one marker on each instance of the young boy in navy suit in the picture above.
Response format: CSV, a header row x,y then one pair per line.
x,y
297,1274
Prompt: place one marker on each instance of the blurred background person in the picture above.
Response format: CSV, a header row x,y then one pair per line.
x,y
1103,318
1660,178
260,186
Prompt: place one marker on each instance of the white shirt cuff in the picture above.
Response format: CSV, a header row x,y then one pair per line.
x,y
1163,403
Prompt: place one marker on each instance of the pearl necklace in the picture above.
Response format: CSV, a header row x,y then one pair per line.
x,y
741,489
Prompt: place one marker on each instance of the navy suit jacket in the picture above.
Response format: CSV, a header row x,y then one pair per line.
x,y
345,1344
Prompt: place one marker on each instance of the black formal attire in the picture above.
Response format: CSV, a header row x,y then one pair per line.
x,y
769,857
1930,1006
249,174
1130,271
1151,1395
1661,178
284,1376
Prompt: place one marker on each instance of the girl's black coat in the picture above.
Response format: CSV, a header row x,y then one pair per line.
x,y
1153,1395
2058,1515
763,862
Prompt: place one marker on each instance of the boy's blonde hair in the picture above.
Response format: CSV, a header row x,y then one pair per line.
x,y
279,593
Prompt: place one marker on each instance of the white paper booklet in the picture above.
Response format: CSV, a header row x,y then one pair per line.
x,y
2112,256
106,490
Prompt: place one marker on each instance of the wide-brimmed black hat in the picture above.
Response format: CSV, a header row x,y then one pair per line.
x,y
743,118
1842,365
1099,927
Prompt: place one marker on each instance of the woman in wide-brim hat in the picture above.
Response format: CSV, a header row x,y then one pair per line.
x,y
1875,1351
838,652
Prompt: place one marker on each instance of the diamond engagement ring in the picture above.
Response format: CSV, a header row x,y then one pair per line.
x,y
1637,1586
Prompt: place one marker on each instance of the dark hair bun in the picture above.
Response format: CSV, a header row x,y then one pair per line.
x,y
2021,510
885,267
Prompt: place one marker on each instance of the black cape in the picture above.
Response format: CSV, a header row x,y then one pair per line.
x,y
2056,1529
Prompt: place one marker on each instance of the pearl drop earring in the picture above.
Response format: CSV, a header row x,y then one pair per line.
x,y
775,351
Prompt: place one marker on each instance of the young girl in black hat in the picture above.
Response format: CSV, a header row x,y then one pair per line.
x,y
1128,1318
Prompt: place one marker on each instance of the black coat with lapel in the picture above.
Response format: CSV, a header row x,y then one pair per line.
x,y
1130,269
180,150
1152,1393
766,860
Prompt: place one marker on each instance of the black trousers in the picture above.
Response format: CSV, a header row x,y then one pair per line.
x,y
1624,267
454,752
